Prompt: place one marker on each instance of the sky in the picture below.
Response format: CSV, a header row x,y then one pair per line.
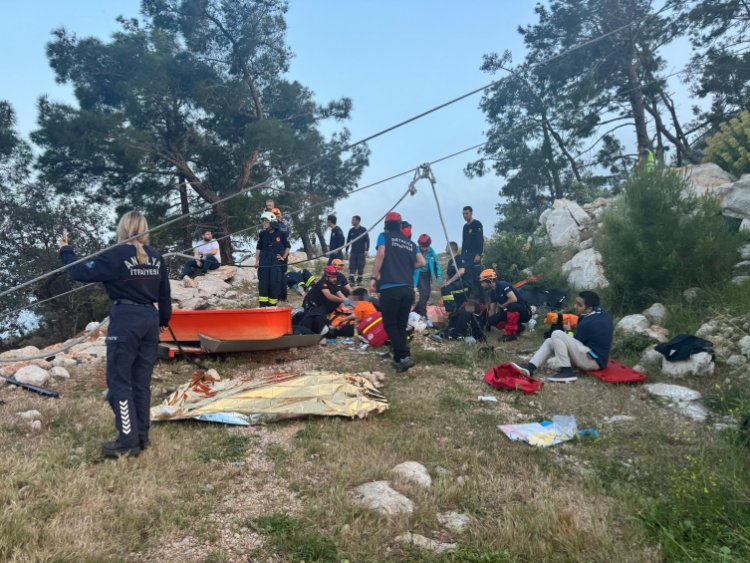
x,y
393,58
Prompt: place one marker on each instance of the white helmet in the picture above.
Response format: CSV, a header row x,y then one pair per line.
x,y
267,216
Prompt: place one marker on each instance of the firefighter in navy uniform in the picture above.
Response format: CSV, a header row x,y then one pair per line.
x,y
135,277
455,288
506,305
270,258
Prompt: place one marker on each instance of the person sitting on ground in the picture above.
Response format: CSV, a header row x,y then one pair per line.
x,y
337,241
588,349
343,282
363,307
468,320
423,276
207,256
455,289
506,305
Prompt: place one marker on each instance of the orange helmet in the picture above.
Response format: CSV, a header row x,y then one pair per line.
x,y
337,263
487,275
276,211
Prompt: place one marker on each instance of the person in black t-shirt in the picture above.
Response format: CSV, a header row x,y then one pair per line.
x,y
337,240
357,251
343,283
472,247
394,268
325,293
506,305
455,289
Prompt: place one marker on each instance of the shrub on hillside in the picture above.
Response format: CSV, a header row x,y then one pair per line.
x,y
510,253
730,148
661,238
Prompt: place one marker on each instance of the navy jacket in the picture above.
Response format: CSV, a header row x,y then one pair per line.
x,y
124,278
337,239
595,330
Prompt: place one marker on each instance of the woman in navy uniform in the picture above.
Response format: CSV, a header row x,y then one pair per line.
x,y
135,277
272,251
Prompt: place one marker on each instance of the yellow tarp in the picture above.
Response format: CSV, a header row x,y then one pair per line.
x,y
275,397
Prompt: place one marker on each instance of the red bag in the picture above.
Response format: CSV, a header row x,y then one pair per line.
x,y
371,329
615,372
506,377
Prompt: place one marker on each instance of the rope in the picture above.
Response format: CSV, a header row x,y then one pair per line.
x,y
316,160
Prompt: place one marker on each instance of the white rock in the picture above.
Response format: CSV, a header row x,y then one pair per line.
x,y
562,228
614,419
181,293
744,346
744,265
672,392
691,410
296,257
584,270
736,360
246,273
194,304
745,225
658,333
36,425
454,521
413,472
224,273
650,357
700,364
33,375
735,198
424,543
210,285
633,324
544,216
745,251
708,329
25,352
656,314
705,177
586,244
379,496
96,351
92,326
740,280
690,294
64,361
30,415
59,371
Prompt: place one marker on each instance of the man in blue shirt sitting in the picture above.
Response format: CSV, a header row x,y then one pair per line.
x,y
588,349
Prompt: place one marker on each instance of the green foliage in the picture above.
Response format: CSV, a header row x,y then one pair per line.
x,y
628,347
298,538
730,148
661,238
510,253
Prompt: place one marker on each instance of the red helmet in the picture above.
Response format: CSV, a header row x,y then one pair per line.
x,y
424,240
406,228
330,271
393,216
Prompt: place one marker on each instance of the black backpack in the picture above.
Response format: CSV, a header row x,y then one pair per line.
x,y
682,346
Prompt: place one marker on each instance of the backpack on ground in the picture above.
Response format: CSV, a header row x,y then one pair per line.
x,y
372,331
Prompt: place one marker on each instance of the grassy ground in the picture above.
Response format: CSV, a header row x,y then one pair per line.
x,y
658,488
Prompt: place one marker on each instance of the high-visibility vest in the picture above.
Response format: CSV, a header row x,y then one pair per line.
x,y
648,160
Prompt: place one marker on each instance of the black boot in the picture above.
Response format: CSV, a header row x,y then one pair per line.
x,y
116,449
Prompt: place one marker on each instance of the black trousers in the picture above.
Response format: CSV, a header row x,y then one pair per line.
x,y
473,270
356,266
270,285
502,315
424,285
132,346
395,305
455,294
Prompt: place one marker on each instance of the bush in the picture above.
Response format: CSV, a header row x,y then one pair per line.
x,y
661,238
730,148
510,253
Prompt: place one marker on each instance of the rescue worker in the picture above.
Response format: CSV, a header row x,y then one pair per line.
x,y
394,268
322,299
455,289
271,252
357,252
342,281
282,227
423,276
646,159
337,242
506,305
135,277
406,229
472,247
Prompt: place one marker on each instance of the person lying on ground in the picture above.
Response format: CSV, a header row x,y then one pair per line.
x,y
455,289
363,307
506,305
588,349
207,256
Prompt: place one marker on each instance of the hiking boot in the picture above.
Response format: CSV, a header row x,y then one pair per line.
x,y
565,375
526,369
116,449
404,364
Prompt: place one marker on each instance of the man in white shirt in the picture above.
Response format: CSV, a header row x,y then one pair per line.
x,y
207,256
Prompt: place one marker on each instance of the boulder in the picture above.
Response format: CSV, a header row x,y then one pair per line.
x,y
735,199
705,177
454,521
650,357
224,273
379,496
424,543
64,361
296,257
181,293
211,285
544,216
692,410
656,314
744,346
740,280
737,361
246,273
742,267
633,324
745,251
672,392
59,371
586,244
413,472
564,222
30,415
745,225
92,326
585,271
708,329
700,364
25,352
33,375
690,294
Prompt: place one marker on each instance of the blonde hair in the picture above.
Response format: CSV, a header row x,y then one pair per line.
x,y
132,224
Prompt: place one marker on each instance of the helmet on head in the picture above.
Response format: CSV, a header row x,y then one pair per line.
x,y
337,263
487,275
267,216
406,228
330,271
276,211
393,216
424,240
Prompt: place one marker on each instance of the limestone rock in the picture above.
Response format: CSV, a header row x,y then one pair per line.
x,y
24,352
700,364
708,329
189,283
690,294
181,293
586,244
92,326
656,314
544,216
736,361
194,304
36,425
413,472
379,496
745,251
30,415
650,357
454,521
425,543
692,410
672,392
64,361
744,346
740,280
33,375
564,222
735,199
245,272
633,324
705,177
745,225
59,371
210,285
224,273
742,267
585,271
297,256
658,333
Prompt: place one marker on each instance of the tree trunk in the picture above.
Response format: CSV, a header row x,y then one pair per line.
x,y
321,238
187,236
550,156
636,104
225,244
